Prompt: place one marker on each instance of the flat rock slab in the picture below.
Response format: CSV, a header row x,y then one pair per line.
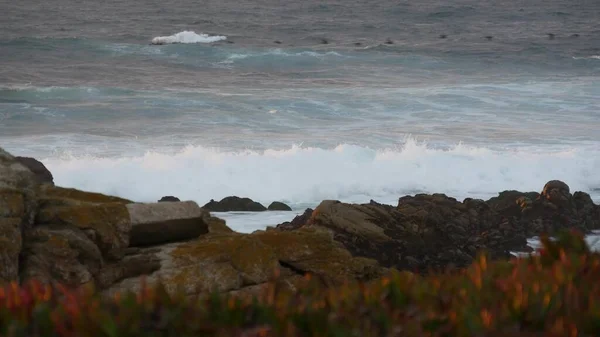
x,y
162,222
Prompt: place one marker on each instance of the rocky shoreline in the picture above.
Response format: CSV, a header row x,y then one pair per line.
x,y
78,238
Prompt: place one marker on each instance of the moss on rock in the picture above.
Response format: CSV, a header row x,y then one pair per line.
x,y
108,224
60,196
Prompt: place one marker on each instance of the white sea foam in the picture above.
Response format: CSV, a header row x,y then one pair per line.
x,y
187,37
279,52
305,176
593,241
593,57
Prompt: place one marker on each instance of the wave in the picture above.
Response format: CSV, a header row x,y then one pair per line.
x,y
304,176
187,37
29,92
279,52
593,57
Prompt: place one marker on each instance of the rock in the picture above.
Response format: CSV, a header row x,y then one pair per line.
x,y
557,192
169,198
65,255
234,204
158,223
278,206
51,196
216,225
102,218
130,266
59,254
297,222
107,224
314,251
423,232
230,262
437,231
42,174
18,205
510,202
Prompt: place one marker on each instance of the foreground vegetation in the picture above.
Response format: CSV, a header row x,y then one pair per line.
x,y
555,293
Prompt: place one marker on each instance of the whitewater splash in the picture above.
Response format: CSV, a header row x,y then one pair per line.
x,y
187,37
303,176
592,239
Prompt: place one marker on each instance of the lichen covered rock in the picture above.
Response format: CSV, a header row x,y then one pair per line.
x,y
18,205
108,224
60,254
226,262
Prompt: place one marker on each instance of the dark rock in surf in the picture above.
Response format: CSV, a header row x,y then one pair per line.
x,y
234,204
42,174
169,198
278,206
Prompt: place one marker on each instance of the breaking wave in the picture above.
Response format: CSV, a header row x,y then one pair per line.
x,y
187,37
305,176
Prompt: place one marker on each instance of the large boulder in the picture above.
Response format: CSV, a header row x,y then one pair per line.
x,y
234,204
60,254
42,174
103,219
164,222
18,205
227,262
423,232
108,225
550,211
436,231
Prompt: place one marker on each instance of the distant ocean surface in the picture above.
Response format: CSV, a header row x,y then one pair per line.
x,y
300,101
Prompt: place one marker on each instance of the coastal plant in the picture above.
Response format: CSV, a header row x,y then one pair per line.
x,y
552,293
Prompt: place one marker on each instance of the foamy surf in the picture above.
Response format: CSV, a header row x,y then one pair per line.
x,y
187,37
592,239
304,176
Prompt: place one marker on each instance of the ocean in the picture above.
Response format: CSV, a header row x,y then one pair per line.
x,y
301,101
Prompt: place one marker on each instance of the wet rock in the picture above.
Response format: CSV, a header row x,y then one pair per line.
x,y
169,198
558,193
278,206
234,204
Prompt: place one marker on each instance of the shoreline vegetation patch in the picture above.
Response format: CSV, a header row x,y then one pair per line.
x,y
552,293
